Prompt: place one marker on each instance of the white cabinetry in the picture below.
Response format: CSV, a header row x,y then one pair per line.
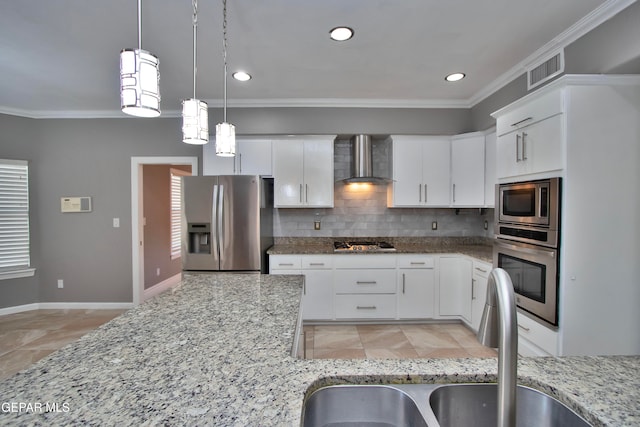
x,y
467,170
416,286
253,157
490,178
303,172
530,138
420,171
481,271
317,296
535,339
365,286
455,287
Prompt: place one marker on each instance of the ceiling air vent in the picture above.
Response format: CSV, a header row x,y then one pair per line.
x,y
542,72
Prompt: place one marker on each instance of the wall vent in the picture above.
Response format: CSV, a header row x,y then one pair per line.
x,y
545,71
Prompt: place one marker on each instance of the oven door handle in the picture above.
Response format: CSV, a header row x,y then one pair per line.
x,y
531,251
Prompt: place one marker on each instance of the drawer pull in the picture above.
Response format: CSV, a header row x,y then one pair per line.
x,y
282,264
372,282
524,328
366,307
418,263
522,121
481,269
316,263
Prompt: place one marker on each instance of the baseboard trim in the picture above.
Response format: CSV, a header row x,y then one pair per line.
x,y
66,306
162,286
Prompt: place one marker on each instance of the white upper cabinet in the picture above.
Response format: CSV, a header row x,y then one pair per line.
x,y
490,179
467,170
420,171
253,157
303,172
530,137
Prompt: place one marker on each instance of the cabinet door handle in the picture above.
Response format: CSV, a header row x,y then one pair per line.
x,y
300,193
473,289
403,282
522,121
283,264
524,146
366,307
481,269
306,193
417,263
362,282
240,162
316,263
517,148
420,193
524,328
425,193
454,193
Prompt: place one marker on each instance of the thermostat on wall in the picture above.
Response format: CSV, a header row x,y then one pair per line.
x,y
75,204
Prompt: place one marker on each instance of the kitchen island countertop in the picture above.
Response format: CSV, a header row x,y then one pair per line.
x,y
216,352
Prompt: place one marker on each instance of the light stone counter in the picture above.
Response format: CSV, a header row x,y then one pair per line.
x,y
216,352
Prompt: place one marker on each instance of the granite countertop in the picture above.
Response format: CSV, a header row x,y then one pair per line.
x,y
216,352
476,247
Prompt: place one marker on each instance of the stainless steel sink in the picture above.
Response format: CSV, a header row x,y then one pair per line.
x,y
476,404
430,405
361,405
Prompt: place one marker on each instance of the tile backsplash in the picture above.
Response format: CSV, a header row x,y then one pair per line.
x,y
361,210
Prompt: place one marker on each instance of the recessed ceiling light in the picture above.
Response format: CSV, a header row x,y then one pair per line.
x,y
454,77
341,34
241,76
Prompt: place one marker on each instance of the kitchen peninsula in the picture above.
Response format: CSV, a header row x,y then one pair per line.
x,y
217,351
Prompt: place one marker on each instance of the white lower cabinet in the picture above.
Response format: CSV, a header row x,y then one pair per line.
x,y
365,286
455,287
416,286
479,281
535,339
354,287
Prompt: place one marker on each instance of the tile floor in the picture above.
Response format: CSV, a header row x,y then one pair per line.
x,y
29,336
393,342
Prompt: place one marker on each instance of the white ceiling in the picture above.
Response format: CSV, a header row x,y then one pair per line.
x,y
60,58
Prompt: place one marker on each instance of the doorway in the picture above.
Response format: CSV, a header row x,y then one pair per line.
x,y
137,219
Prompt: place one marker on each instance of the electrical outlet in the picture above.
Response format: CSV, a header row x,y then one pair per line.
x,y
486,224
116,222
316,225
60,283
158,271
434,225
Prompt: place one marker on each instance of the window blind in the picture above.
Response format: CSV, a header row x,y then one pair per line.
x,y
176,212
14,215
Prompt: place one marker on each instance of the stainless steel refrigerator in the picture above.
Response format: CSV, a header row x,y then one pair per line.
x,y
227,222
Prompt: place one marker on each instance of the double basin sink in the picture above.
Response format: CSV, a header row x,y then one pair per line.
x,y
431,405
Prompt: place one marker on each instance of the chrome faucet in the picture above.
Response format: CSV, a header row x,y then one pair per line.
x,y
499,328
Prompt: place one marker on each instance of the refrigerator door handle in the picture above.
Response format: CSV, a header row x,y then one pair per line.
x,y
214,222
220,222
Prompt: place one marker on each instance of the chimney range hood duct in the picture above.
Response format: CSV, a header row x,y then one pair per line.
x,y
362,161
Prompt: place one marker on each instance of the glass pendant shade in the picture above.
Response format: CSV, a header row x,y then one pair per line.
x,y
195,122
225,140
139,83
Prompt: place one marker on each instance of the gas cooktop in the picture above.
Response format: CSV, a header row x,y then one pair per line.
x,y
362,246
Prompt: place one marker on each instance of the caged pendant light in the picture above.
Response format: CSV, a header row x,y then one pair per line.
x,y
225,132
139,79
195,113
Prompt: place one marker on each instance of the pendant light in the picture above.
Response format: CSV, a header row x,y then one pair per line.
x,y
225,132
195,113
139,79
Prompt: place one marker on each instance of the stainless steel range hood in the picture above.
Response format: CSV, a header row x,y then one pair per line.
x,y
362,161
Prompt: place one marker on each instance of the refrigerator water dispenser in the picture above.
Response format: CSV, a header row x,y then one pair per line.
x,y
199,238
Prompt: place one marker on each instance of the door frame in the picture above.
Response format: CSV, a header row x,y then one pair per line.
x,y
137,248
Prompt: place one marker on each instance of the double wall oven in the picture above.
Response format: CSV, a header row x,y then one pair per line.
x,y
527,230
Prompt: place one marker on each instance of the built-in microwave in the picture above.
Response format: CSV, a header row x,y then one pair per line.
x,y
529,211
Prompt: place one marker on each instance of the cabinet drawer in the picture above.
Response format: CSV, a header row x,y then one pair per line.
x,y
415,261
317,262
365,261
482,269
530,112
365,306
537,334
285,262
365,281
